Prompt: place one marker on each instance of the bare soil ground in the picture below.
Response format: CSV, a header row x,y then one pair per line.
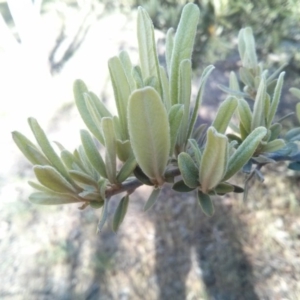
x,y
245,251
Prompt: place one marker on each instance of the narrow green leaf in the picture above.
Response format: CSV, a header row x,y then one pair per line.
x,y
124,150
214,160
245,151
233,82
99,105
250,48
273,146
152,199
120,213
110,148
127,65
127,169
232,92
245,114
39,187
199,133
147,46
52,179
81,177
275,100
122,91
138,77
70,161
29,150
169,48
184,92
80,90
188,170
104,215
47,149
183,45
149,132
206,203
199,97
92,153
275,131
246,77
292,134
224,114
196,151
52,199
93,196
258,117
175,119
165,89
181,187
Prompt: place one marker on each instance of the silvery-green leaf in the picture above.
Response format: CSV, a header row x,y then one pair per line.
x,y
232,92
258,117
70,161
262,159
127,169
92,153
224,188
183,45
205,203
214,160
120,212
232,137
81,177
199,133
184,93
104,215
147,46
169,48
250,48
138,173
245,114
188,170
275,99
48,150
99,105
233,82
127,65
181,187
39,187
241,45
91,195
152,81
199,97
175,118
122,91
29,150
165,88
52,179
196,151
244,152
237,189
87,166
273,146
149,132
52,199
274,74
246,77
292,134
80,90
110,148
138,77
295,92
275,131
152,199
243,131
224,114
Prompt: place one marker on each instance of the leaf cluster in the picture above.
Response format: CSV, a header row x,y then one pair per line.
x,y
154,138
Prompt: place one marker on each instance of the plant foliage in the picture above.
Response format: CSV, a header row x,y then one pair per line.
x,y
154,139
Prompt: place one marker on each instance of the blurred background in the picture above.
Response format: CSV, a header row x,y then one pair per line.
x,y
245,251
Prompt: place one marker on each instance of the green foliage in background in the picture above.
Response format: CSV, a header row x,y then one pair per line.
x,y
154,138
